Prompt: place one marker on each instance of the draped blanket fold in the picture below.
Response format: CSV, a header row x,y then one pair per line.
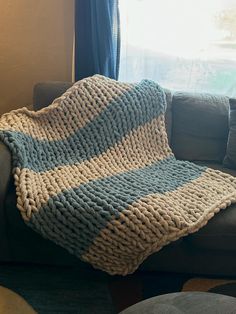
x,y
94,174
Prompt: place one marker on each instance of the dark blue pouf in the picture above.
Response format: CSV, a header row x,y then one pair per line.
x,y
185,303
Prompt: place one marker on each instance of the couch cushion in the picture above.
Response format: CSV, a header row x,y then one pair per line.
x,y
44,93
199,126
220,231
5,176
230,158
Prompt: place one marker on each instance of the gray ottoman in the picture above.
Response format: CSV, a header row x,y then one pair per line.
x,y
185,302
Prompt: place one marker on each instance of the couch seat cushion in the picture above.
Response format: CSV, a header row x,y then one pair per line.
x,y
220,232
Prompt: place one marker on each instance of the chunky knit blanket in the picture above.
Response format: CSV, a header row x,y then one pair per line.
x,y
94,173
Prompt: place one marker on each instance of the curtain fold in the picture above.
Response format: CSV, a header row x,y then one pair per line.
x,y
97,38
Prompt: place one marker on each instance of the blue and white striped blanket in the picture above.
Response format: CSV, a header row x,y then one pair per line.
x,y
94,173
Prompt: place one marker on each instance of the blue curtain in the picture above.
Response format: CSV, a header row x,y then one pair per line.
x,y
97,38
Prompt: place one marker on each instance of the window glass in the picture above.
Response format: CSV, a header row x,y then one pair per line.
x,y
182,44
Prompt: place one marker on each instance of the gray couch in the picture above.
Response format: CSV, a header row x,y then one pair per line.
x,y
197,126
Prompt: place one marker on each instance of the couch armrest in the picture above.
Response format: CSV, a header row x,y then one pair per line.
x,y
5,172
5,175
45,92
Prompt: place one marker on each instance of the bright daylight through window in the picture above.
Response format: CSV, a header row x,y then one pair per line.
x,y
185,45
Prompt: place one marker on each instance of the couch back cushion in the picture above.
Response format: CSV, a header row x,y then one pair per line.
x,y
44,93
230,158
199,126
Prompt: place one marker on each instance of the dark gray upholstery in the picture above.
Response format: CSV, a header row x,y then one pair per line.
x,y
5,172
46,92
169,114
199,126
230,158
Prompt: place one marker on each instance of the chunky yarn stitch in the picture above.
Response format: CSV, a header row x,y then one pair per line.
x,y
94,173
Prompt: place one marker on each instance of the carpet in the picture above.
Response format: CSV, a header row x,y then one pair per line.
x,y
58,290
67,290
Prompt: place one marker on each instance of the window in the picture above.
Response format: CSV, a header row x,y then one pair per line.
x,y
182,44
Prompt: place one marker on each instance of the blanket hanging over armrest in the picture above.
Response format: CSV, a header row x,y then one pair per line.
x,y
94,173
